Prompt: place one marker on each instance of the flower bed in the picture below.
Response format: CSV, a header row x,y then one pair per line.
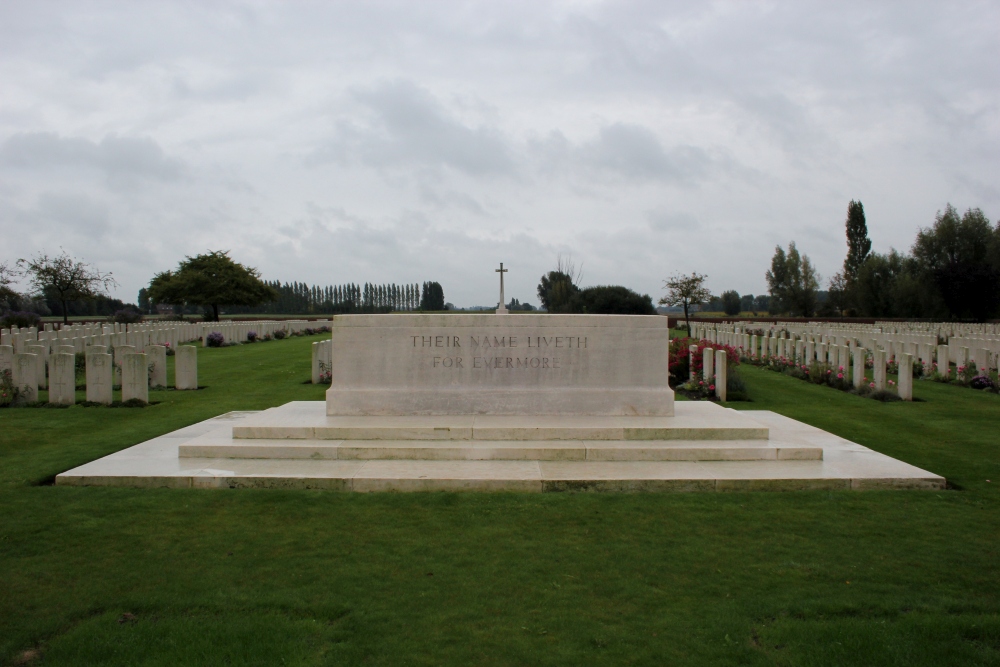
x,y
825,374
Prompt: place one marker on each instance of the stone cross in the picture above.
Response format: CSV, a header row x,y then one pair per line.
x,y
502,310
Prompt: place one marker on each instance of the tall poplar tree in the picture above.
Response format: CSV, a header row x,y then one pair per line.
x,y
858,243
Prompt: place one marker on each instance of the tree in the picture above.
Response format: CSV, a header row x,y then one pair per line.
x,y
8,295
211,280
959,257
556,290
685,291
731,302
747,303
65,279
858,243
792,282
611,300
432,297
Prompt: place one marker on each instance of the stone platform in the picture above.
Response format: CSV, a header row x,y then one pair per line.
x,y
703,447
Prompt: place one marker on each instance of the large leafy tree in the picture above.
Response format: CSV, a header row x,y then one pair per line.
x,y
792,282
556,290
611,300
731,302
211,280
66,279
686,291
960,256
9,297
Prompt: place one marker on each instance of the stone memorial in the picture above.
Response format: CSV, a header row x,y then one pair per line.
x,y
6,358
100,378
527,402
119,354
157,359
41,362
25,376
62,380
135,377
186,367
905,377
707,364
721,374
500,365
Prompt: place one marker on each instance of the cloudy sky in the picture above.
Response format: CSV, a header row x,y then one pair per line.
x,y
400,142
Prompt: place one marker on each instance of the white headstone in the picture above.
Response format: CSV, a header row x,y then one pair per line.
x,y
943,360
721,374
859,366
135,377
100,377
186,367
62,387
905,377
40,351
157,358
878,371
6,358
707,364
25,376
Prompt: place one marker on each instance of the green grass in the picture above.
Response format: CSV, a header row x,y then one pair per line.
x,y
213,577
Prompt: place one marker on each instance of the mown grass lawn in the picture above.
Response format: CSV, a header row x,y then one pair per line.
x,y
103,576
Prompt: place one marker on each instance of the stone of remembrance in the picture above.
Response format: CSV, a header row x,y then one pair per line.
x,y
531,402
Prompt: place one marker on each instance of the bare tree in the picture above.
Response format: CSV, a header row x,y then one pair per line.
x,y
685,291
568,266
65,279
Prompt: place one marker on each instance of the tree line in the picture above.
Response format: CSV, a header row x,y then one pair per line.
x,y
951,272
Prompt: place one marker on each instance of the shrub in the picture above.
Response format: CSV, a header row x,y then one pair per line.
x,y
251,336
126,316
982,382
280,334
8,392
18,318
215,339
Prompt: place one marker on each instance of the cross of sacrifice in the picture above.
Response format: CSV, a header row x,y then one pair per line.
x,y
502,310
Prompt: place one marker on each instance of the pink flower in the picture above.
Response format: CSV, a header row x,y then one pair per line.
x,y
841,369
711,387
872,385
828,371
891,383
840,376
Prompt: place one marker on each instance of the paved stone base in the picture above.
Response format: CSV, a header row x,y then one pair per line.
x,y
844,465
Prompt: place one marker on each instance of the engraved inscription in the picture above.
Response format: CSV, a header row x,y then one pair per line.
x,y
494,344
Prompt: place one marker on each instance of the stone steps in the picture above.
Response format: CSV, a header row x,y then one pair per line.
x,y
844,465
691,421
501,450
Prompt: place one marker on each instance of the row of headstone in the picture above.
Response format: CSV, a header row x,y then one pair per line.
x,y
959,351
848,360
135,372
143,335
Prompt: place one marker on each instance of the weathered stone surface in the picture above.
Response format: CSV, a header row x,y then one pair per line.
x,y
25,376
100,378
6,358
135,377
500,364
186,367
62,384
721,372
157,359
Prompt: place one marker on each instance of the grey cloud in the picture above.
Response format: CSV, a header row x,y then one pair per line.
x,y
625,151
635,152
665,221
120,159
406,126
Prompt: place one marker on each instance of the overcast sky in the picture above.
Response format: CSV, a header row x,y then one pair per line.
x,y
401,142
